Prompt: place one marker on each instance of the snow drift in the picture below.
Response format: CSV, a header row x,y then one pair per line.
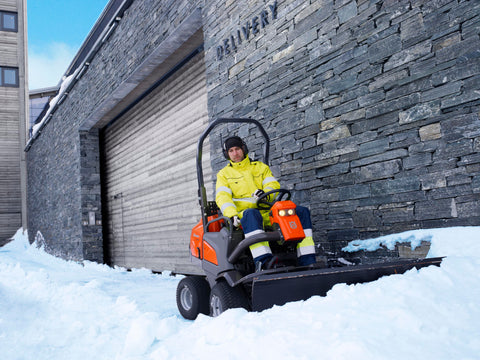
x,y
56,309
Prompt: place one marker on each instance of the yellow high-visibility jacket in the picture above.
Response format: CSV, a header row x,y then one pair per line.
x,y
236,183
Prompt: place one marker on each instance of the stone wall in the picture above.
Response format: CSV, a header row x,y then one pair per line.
x,y
372,106
64,187
54,198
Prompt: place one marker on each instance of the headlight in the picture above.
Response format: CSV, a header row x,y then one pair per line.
x,y
287,212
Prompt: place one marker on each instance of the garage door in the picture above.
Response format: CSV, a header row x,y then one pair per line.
x,y
149,179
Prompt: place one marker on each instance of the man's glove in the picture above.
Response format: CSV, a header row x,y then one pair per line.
x,y
236,221
258,193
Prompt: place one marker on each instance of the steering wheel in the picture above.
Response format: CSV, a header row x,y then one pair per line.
x,y
264,204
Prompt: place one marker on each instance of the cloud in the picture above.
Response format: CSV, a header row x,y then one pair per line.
x,y
47,65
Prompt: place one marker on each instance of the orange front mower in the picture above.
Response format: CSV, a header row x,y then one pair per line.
x,y
226,273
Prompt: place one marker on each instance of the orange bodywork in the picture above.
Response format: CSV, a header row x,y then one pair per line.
x,y
290,225
202,249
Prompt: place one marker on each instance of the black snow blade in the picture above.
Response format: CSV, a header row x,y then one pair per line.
x,y
279,288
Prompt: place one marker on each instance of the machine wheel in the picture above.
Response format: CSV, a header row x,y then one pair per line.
x,y
192,296
224,297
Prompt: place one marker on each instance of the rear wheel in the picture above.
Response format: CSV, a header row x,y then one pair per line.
x,y
224,297
192,296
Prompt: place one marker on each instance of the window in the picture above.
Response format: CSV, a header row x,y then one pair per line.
x,y
8,76
8,21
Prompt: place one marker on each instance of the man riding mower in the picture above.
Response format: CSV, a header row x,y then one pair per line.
x,y
239,186
270,262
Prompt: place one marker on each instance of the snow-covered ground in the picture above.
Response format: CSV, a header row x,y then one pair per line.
x,y
55,309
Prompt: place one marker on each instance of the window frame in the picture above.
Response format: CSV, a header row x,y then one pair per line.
x,y
2,76
2,21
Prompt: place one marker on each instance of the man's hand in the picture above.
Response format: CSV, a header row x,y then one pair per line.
x,y
236,221
258,193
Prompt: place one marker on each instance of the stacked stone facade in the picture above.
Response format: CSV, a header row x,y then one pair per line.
x,y
64,184
372,108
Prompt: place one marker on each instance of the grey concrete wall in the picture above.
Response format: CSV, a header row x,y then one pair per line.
x,y
373,106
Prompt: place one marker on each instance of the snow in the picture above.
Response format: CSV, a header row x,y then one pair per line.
x,y
66,81
415,238
56,309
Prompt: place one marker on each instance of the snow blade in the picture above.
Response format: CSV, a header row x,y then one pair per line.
x,y
278,288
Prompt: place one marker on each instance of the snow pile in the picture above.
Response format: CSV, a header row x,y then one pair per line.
x,y
55,309
415,238
454,241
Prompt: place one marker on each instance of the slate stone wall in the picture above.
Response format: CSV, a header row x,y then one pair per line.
x,y
64,187
54,197
372,106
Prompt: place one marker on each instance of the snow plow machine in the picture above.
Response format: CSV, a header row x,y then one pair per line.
x,y
222,253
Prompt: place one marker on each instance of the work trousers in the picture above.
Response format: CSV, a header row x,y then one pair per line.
x,y
252,224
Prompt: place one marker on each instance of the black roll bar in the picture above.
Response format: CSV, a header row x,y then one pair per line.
x,y
202,192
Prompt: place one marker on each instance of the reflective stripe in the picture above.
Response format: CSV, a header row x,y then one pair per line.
x,y
306,246
305,250
260,249
226,205
308,233
268,179
249,200
225,189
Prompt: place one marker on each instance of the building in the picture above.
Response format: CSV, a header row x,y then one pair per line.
x,y
38,104
372,108
13,115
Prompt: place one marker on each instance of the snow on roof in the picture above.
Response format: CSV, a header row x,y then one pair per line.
x,y
57,100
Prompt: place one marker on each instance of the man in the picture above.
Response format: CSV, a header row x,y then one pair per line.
x,y
239,185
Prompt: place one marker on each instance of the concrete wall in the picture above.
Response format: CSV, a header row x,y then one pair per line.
x,y
373,106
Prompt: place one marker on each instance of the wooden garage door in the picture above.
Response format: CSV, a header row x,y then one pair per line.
x,y
150,179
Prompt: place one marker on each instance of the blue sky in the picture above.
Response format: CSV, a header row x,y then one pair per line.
x,y
56,30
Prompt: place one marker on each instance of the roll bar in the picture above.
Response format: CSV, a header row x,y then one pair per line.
x,y
202,193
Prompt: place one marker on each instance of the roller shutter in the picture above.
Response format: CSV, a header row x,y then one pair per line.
x,y
149,174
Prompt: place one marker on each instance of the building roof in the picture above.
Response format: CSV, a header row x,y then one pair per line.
x,y
108,19
36,93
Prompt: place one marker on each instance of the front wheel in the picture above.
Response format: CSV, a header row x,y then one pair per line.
x,y
192,296
224,297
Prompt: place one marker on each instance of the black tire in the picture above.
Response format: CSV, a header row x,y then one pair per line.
x,y
224,297
192,297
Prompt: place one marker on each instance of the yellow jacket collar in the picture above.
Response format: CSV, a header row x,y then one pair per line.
x,y
245,162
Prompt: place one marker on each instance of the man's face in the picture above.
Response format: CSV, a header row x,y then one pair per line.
x,y
235,154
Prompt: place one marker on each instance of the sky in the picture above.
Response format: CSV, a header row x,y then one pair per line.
x,y
56,30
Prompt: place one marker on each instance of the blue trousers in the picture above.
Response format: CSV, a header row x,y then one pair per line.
x,y
252,223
